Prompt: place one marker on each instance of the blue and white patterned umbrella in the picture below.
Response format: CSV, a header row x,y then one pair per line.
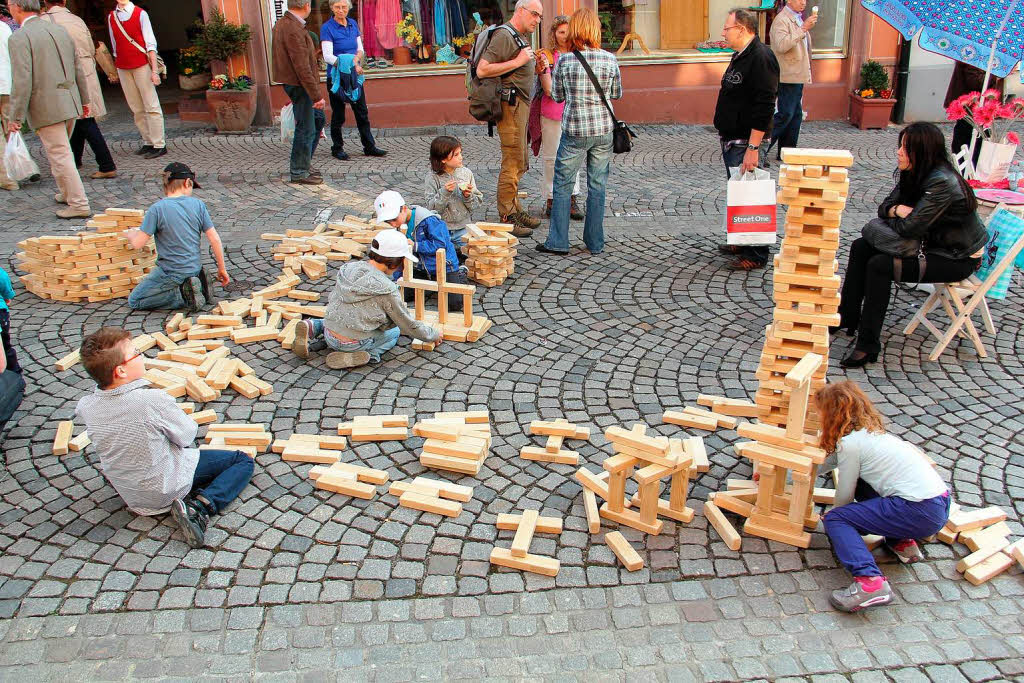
x,y
986,33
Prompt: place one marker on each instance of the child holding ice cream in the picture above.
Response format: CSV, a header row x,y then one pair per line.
x,y
450,187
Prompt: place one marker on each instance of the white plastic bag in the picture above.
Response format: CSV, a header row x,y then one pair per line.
x,y
750,208
18,163
287,123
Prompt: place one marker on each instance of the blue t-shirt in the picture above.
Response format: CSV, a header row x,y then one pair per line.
x,y
343,37
6,290
177,225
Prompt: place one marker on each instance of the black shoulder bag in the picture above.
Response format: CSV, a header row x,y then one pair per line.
x,y
622,136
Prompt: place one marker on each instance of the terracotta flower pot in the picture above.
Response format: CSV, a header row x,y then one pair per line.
x,y
402,56
194,82
870,113
232,110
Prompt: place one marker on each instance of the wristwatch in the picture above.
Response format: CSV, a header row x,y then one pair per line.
x,y
750,146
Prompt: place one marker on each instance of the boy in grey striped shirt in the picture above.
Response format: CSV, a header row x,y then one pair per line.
x,y
143,439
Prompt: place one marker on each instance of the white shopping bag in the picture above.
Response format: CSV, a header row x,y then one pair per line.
x,y
750,208
18,163
994,161
287,123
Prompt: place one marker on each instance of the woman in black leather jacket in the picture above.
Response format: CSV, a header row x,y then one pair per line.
x,y
931,203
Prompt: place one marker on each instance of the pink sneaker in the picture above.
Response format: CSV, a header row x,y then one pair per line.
x,y
906,550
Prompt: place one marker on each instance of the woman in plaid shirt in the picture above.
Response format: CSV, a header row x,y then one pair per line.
x,y
586,132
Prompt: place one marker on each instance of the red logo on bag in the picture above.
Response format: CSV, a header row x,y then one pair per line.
x,y
751,218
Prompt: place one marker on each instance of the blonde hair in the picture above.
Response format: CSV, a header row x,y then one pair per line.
x,y
584,29
844,408
556,23
175,185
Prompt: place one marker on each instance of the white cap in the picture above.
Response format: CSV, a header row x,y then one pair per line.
x,y
388,205
392,243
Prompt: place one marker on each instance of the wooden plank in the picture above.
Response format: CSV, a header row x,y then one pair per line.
x,y
367,475
734,504
543,455
525,529
205,416
469,448
965,520
79,443
309,452
68,360
538,564
725,530
631,519
690,420
629,557
470,416
447,462
361,433
822,157
62,437
563,429
982,554
446,489
975,539
653,445
346,484
993,566
544,525
590,508
438,506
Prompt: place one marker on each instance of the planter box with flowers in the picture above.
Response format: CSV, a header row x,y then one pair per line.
x,y
991,117
193,71
406,30
871,104
231,101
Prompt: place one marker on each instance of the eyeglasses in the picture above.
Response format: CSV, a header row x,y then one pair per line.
x,y
131,358
535,13
726,28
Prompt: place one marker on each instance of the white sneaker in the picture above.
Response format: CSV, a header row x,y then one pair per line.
x,y
339,360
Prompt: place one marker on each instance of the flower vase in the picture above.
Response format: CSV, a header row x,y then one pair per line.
x,y
402,56
994,161
870,112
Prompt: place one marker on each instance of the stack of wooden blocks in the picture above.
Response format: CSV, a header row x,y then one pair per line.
x,y
63,441
248,438
491,252
376,428
311,250
455,441
89,266
432,495
518,556
814,184
986,535
557,432
201,366
268,313
348,479
322,449
468,327
357,229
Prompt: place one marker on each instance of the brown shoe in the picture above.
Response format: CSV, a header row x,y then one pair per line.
x,y
518,229
73,213
300,345
308,180
9,186
575,212
100,175
527,220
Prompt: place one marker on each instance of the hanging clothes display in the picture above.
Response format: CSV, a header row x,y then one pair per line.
x,y
389,13
413,7
457,18
367,28
427,14
442,32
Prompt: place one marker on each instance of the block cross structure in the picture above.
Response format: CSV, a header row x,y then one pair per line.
x,y
557,432
814,185
518,556
467,329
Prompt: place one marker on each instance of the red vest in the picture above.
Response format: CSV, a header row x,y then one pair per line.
x,y
128,56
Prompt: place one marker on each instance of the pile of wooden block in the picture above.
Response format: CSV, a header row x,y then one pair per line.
x,y
814,184
357,229
89,266
432,495
557,432
322,449
376,428
455,441
63,443
201,367
518,556
491,252
985,533
269,312
311,250
248,438
348,479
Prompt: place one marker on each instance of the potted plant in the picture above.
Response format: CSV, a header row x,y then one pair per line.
x,y
232,101
406,30
464,45
193,70
871,104
986,112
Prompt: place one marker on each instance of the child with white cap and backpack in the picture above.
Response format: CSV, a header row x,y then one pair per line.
x,y
365,312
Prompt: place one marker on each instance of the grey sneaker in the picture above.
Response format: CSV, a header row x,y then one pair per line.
x,y
192,517
907,551
300,346
854,598
347,359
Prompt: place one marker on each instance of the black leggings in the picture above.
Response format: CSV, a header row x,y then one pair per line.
x,y
868,282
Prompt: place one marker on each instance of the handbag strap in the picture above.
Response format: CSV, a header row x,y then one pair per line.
x,y
117,21
593,79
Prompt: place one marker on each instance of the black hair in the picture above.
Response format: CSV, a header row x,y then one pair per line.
x,y
926,149
440,149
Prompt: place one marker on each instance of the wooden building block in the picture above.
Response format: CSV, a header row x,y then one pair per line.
x,y
447,462
470,416
361,433
525,529
446,489
976,539
367,475
542,525
563,429
631,519
199,391
653,445
629,557
590,507
725,501
821,157
982,554
63,436
254,334
690,420
554,444
244,387
205,416
68,360
993,566
872,541
346,484
543,455
722,526
265,388
173,322
946,536
438,506
538,564
220,320
79,443
1017,552
309,452
964,520
468,447
725,421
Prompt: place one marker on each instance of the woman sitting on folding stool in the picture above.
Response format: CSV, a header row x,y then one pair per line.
x,y
885,486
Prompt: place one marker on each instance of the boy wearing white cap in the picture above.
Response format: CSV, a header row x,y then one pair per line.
x,y
365,312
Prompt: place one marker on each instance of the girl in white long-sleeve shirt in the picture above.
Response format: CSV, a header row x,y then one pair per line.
x,y
885,487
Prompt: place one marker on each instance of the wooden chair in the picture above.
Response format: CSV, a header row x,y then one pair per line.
x,y
951,297
964,162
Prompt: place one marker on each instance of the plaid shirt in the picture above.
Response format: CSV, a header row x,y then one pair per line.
x,y
585,114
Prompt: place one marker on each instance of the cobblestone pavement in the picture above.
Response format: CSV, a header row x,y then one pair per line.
x,y
296,583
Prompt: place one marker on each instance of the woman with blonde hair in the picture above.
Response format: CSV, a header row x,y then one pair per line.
x,y
885,486
546,114
586,131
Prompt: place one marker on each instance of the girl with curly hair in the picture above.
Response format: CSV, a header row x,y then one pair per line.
x,y
885,486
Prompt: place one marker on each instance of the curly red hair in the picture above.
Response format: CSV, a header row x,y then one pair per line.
x,y
844,408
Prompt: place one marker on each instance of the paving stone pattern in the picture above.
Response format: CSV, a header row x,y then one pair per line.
x,y
295,578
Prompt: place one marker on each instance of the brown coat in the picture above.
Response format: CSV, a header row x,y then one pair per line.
x,y
48,82
295,55
789,46
85,50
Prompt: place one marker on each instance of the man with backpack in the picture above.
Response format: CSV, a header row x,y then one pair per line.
x,y
507,55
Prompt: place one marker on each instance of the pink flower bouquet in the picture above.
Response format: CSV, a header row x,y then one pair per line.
x,y
988,114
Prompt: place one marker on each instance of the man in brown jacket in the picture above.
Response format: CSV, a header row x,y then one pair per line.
x,y
791,43
295,67
49,90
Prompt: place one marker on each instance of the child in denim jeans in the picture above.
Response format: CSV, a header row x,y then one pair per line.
x,y
365,313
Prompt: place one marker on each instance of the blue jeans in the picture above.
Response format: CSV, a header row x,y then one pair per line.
x,y
5,336
12,390
572,150
307,131
220,476
895,518
790,114
160,290
376,345
733,157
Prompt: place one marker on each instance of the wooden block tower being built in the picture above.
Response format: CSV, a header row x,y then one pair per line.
x,y
814,185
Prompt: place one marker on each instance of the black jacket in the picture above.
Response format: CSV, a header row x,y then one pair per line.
x,y
940,219
747,99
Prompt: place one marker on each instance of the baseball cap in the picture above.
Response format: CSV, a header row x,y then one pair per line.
x,y
180,171
388,205
391,243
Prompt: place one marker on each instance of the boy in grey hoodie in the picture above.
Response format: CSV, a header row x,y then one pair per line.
x,y
365,311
